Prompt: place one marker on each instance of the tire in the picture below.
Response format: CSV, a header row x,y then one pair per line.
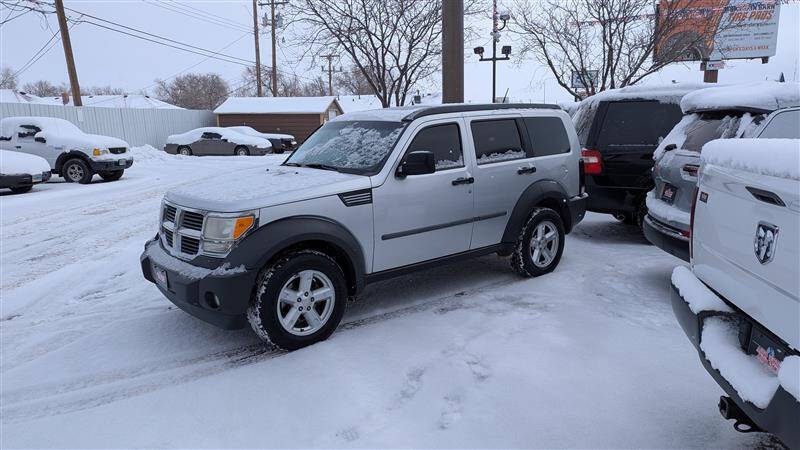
x,y
241,151
76,170
21,190
185,151
111,175
542,221
272,318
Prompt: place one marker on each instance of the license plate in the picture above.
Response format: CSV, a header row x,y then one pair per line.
x,y
668,194
161,276
122,162
766,351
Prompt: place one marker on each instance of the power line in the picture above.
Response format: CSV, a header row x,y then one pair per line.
x,y
37,55
198,11
192,14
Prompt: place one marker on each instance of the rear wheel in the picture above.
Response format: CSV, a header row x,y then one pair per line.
x,y
21,190
111,175
299,300
241,151
77,171
539,245
185,151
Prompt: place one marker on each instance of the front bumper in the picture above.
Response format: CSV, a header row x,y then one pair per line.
x,y
110,165
780,416
22,180
577,209
191,287
666,238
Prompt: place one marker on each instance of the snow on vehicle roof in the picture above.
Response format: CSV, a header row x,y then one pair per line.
x,y
773,157
253,132
764,95
45,123
16,163
232,135
395,114
276,105
669,93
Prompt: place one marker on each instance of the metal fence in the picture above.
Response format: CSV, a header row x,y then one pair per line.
x,y
137,126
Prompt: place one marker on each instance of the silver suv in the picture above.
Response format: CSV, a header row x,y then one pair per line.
x,y
712,113
368,196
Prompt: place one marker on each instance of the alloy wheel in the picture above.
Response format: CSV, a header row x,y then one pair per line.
x,y
544,244
305,302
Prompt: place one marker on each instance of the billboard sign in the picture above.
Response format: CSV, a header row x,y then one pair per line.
x,y
696,30
589,75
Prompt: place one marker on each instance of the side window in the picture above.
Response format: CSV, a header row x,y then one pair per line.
x,y
27,132
497,140
785,125
548,136
445,143
209,135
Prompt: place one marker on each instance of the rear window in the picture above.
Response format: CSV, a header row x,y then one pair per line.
x,y
710,126
548,136
785,125
637,123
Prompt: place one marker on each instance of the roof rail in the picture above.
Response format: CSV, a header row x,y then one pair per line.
x,y
460,107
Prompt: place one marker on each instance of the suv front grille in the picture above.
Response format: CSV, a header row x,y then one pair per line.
x,y
189,245
169,213
167,236
192,220
116,150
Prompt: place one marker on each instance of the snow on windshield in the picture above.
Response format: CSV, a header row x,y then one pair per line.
x,y
350,145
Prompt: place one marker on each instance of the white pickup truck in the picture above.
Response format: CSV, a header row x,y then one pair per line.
x,y
740,302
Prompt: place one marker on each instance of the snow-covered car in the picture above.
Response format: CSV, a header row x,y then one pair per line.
x,y
72,154
20,171
216,141
368,196
740,302
736,111
280,142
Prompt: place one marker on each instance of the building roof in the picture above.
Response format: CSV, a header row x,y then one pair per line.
x,y
353,103
276,105
100,101
11,96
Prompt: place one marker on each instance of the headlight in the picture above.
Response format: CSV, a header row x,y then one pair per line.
x,y
99,151
220,232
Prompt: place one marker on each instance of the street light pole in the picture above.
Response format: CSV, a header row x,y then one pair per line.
x,y
506,50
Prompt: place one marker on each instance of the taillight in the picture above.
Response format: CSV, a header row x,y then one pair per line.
x,y
592,162
691,223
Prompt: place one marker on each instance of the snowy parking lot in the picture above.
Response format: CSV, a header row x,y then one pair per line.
x,y
466,355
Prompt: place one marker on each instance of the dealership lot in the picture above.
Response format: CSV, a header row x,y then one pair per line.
x,y
464,355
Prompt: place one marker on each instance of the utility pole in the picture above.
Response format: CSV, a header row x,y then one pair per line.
x,y
73,74
331,70
259,89
453,51
274,33
506,50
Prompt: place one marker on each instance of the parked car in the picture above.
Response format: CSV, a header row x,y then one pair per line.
x,y
72,154
741,111
19,171
619,129
368,196
216,141
280,142
739,303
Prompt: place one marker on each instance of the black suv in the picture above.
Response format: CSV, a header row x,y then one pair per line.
x,y
618,130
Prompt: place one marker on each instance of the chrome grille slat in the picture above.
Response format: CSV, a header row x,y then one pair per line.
x,y
189,246
182,231
169,213
192,220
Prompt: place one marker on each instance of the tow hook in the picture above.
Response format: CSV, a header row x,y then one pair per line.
x,y
731,411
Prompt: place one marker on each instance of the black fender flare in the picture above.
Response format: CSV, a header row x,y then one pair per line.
x,y
546,192
64,157
269,240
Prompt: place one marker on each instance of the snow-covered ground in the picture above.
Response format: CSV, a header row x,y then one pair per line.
x,y
466,355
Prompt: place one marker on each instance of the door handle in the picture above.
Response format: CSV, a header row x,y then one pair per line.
x,y
765,196
17,146
463,180
524,170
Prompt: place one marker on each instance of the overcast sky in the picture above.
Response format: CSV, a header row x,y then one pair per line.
x,y
105,57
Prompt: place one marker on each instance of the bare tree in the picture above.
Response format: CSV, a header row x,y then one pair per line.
x,y
103,90
288,85
393,43
8,79
352,81
43,88
193,91
316,87
609,43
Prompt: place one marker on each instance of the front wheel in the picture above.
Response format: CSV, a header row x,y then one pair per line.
x,y
185,151
241,151
539,245
111,175
77,171
299,300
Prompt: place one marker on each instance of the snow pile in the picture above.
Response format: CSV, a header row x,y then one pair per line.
x,y
765,95
789,376
148,153
695,293
231,135
751,380
275,105
15,163
489,158
165,261
774,157
664,211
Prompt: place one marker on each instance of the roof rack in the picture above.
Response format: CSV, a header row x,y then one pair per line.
x,y
474,107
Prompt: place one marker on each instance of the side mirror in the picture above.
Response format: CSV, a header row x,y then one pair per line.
x,y
40,139
417,163
670,147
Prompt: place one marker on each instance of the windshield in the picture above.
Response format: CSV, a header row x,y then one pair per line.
x,y
710,126
349,146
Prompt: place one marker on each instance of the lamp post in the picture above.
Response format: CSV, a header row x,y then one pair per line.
x,y
505,50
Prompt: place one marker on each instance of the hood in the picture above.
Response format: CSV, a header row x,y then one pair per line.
x,y
82,140
242,190
13,163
